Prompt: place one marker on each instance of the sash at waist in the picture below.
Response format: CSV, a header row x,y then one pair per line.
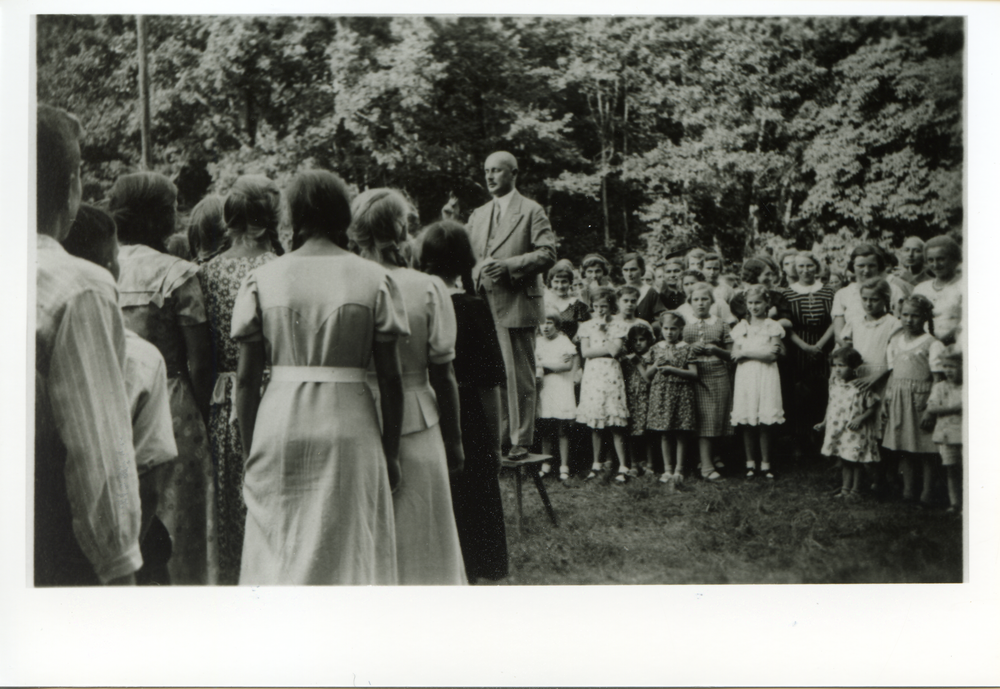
x,y
317,374
412,380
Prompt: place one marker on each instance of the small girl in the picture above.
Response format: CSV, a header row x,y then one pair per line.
x,y
556,362
637,370
870,335
671,396
944,409
912,357
602,390
850,430
710,341
690,278
757,389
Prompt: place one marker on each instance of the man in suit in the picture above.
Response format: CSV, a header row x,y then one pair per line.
x,y
514,245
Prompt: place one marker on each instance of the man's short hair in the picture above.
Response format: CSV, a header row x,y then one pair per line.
x,y
58,159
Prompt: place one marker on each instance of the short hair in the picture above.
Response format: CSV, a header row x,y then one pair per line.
x,y
552,314
758,291
562,268
924,307
57,160
702,287
252,208
90,235
785,254
866,250
913,238
628,289
445,251
754,266
713,257
607,294
319,205
677,260
696,252
848,356
633,256
596,260
143,205
692,272
635,332
206,228
379,222
673,315
947,243
507,158
881,287
812,257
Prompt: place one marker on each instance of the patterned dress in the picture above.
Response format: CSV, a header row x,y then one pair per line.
x,y
602,390
906,393
221,278
636,393
810,315
159,294
671,398
713,396
846,402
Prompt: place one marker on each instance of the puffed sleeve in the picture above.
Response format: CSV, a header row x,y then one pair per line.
x,y
584,331
246,324
738,331
774,329
390,312
184,289
442,328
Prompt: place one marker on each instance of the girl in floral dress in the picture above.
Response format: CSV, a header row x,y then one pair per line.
x,y
671,396
637,370
251,213
602,390
849,425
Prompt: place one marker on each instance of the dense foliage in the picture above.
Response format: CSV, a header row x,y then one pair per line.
x,y
648,133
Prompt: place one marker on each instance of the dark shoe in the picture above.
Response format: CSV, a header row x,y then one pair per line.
x,y
517,452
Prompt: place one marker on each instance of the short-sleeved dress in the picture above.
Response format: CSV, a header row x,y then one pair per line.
x,y
221,278
757,386
319,504
671,398
428,551
947,427
475,492
713,395
905,398
602,389
572,312
636,393
556,399
847,402
159,294
870,336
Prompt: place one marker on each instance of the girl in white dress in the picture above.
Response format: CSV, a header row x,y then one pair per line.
x,y
557,363
757,388
602,390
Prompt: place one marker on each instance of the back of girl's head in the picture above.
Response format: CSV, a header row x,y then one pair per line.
x,y
848,356
923,306
206,228
563,268
605,294
628,289
380,218
252,208
90,235
951,247
672,318
637,332
702,288
445,251
319,205
880,287
693,273
754,267
143,207
758,292
866,250
639,260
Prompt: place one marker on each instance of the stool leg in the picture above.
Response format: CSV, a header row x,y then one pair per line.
x,y
517,482
540,485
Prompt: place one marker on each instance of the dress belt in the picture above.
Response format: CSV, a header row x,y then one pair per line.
x,y
317,374
412,380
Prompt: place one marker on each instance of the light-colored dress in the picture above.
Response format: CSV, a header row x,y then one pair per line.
x,y
947,303
556,399
847,302
319,505
847,402
912,364
428,551
602,389
221,278
757,387
159,294
870,336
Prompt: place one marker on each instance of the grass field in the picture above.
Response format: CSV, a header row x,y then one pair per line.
x,y
789,531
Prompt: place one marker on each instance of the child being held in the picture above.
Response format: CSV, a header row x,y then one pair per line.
x,y
944,408
556,362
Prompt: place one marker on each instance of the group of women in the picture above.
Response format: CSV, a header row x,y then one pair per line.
x,y
334,409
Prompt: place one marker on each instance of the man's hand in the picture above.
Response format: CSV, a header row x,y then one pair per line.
x,y
493,269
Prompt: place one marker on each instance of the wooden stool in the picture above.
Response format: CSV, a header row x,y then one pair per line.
x,y
529,461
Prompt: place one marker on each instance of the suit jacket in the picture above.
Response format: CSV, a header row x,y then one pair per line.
x,y
526,246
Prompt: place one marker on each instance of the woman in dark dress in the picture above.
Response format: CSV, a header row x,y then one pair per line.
x,y
475,492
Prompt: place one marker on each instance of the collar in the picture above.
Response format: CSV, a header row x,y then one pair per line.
x,y
799,288
504,201
711,320
870,322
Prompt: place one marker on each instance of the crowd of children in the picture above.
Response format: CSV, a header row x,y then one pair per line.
x,y
679,358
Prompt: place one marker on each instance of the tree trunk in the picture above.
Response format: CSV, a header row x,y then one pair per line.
x,y
144,120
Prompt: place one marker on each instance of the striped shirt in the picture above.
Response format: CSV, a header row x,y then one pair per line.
x,y
85,475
